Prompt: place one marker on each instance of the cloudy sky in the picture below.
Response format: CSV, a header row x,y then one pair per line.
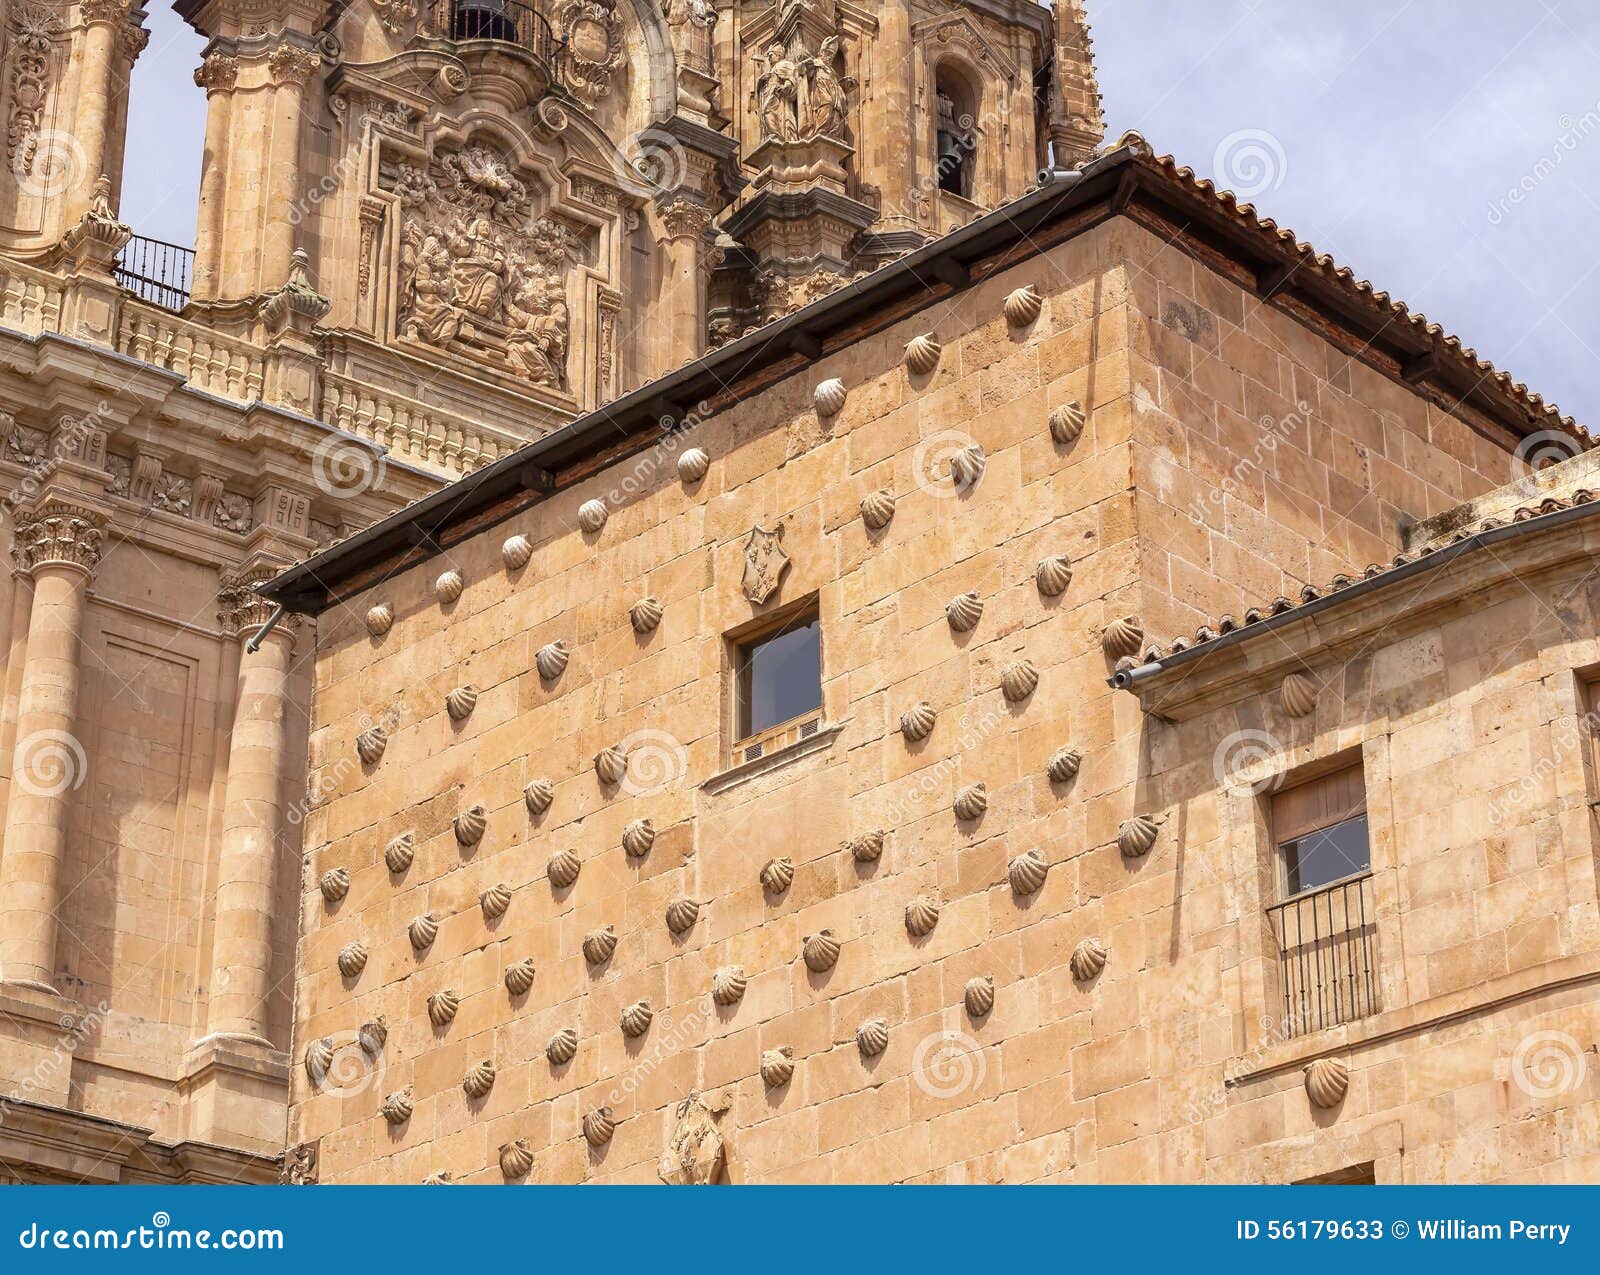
x,y
1448,150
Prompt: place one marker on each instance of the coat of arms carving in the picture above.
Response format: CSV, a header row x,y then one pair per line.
x,y
764,563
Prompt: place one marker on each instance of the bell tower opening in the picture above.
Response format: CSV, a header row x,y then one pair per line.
x,y
956,134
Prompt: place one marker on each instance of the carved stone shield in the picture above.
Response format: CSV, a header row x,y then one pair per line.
x,y
764,563
696,1155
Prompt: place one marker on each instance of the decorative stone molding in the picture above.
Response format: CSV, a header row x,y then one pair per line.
x,y
592,47
777,1067
422,931
696,1154
922,914
645,615
978,997
820,951
682,914
371,745
380,619
442,1007
964,611
923,354
599,945
1067,422
872,1037
33,28
400,853
867,847
552,660
1298,695
1053,575
1088,959
638,837
918,721
683,217
693,465
1136,836
447,588
516,1159
829,397
1327,1082
296,303
300,1165
538,795
877,508
98,236
598,1126
765,563
1026,873
727,985
398,1106
494,901
352,959
636,1019
1063,765
1122,637
563,868
777,875
971,802
59,534
519,976
460,702
1023,306
562,1048
396,16
479,1080
1018,681
335,884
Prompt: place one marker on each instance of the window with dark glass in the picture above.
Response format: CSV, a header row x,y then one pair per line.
x,y
1321,831
780,676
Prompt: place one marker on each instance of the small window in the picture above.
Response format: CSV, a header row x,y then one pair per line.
x,y
780,675
1320,829
956,134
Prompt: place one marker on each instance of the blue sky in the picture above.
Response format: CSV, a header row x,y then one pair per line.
x,y
1448,150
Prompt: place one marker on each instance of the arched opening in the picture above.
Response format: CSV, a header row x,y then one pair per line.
x,y
958,99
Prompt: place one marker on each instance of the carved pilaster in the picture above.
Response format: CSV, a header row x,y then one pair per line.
x,y
683,217
58,533
32,29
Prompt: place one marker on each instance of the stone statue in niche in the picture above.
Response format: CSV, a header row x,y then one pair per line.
x,y
696,1155
799,93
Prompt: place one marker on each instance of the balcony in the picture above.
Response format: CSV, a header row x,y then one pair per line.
x,y
1327,945
157,272
502,21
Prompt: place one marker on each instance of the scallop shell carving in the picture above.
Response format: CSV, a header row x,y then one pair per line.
x,y
479,1079
636,1019
563,868
1327,1081
470,825
442,1007
460,703
380,619
1027,872
335,884
422,931
1088,959
538,795
398,1106
592,515
681,915
562,1048
552,660
727,985
829,397
777,875
1122,637
400,853
516,553
922,354
598,945
1136,836
820,951
872,1037
964,611
598,1126
645,614
1299,695
638,837
1023,306
1053,575
373,1036
519,976
611,764
495,900
352,959
1063,765
319,1057
868,847
922,914
693,464
971,802
1066,422
1018,680
516,1158
917,722
370,745
979,996
447,588
877,508
967,466
777,1067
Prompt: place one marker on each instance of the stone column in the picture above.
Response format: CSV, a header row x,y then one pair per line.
x,y
892,118
291,66
217,76
58,545
241,946
103,21
684,221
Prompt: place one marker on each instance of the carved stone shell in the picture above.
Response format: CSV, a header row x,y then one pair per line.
x,y
1299,695
370,745
516,553
447,588
470,825
1088,959
867,847
917,722
777,1067
335,884
964,611
562,1048
645,614
1018,680
380,619
777,875
1053,575
398,1106
820,951
727,985
592,515
967,466
495,900
693,464
563,868
611,764
681,915
538,795
1136,836
598,945
638,837
971,802
829,397
479,1079
1023,306
400,853
598,1126
352,959
979,996
1327,1081
1027,872
460,703
922,914
872,1037
422,931
552,660
442,1007
319,1057
877,508
1122,637
519,976
1063,765
516,1158
922,354
636,1019
1066,422
373,1036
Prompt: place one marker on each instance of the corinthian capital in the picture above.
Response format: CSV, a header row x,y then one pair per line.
x,y
217,73
242,610
291,64
57,533
108,11
684,218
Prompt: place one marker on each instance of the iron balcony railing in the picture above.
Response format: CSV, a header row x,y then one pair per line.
x,y
508,21
158,272
1327,944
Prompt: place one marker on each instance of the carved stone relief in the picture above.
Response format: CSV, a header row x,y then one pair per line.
x,y
696,1154
593,46
32,29
799,91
